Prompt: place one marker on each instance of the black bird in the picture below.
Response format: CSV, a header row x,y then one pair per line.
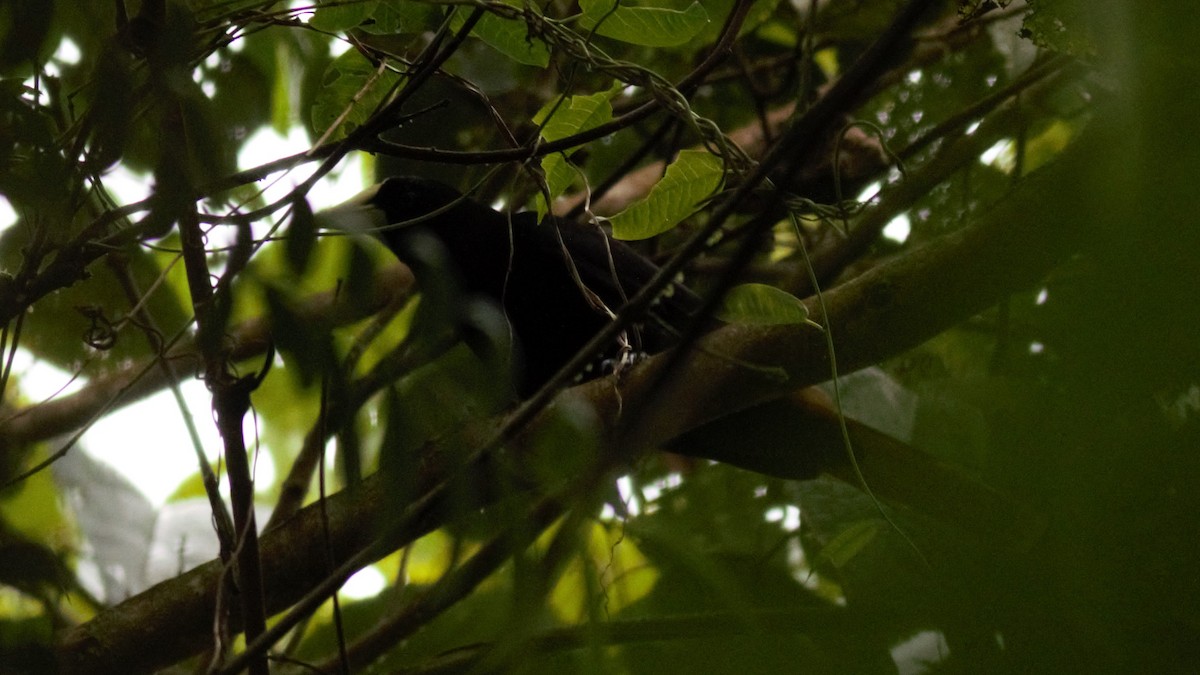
x,y
557,282
540,274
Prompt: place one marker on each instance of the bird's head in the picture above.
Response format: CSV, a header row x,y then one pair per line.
x,y
393,208
401,200
408,199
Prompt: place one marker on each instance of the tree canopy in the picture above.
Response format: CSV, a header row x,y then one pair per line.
x,y
939,414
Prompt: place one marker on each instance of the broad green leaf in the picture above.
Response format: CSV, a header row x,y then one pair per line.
x,y
350,82
575,114
396,17
509,37
340,16
286,409
762,305
691,179
559,176
1061,25
36,508
431,557
281,90
562,119
55,333
850,542
647,26
1048,144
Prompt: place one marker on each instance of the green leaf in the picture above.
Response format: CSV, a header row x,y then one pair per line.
x,y
350,82
1061,25
560,173
396,17
509,37
560,120
282,90
340,16
691,179
575,114
850,542
762,305
112,125
54,333
646,26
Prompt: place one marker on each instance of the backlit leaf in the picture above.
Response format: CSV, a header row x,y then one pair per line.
x,y
762,305
691,179
647,26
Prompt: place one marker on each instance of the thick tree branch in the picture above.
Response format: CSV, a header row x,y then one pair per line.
x,y
883,313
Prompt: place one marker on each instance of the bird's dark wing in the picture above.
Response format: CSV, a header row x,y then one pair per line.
x,y
537,272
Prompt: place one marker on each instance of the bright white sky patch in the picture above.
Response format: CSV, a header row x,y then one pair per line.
x,y
266,145
126,186
898,229
625,489
8,216
148,443
791,518
68,52
868,193
40,380
363,584
787,516
302,4
1001,155
916,654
